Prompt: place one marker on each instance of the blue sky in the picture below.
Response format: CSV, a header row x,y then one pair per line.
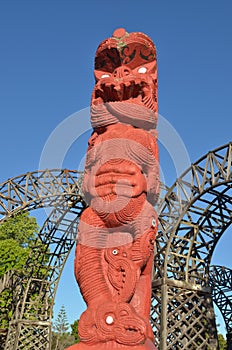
x,y
46,62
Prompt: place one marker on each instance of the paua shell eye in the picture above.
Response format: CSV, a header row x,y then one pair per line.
x,y
105,76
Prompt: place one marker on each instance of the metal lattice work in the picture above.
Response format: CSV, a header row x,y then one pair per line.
x,y
37,189
6,283
32,335
221,284
34,291
195,212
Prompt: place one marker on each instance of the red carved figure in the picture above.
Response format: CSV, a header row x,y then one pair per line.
x,y
114,253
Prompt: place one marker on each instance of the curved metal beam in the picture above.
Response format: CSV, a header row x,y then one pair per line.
x,y
34,290
221,284
195,212
37,189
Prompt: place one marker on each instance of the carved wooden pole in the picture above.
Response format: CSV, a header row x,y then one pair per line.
x,y
114,253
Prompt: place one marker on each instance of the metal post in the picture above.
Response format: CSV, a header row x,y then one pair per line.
x,y
163,321
229,341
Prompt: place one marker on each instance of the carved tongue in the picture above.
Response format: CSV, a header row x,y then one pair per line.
x,y
133,114
123,112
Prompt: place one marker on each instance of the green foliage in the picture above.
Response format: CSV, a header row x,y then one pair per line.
x,y
61,338
61,324
74,332
12,256
21,228
222,342
5,307
61,343
17,236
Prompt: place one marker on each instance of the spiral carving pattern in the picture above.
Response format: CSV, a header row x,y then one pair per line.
x,y
116,233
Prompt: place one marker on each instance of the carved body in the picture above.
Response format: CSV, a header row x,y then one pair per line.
x,y
114,253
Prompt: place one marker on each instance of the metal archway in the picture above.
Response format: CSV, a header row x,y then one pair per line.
x,y
30,326
193,215
195,212
221,284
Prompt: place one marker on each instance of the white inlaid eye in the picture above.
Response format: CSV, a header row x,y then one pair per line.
x,y
105,76
142,70
153,223
115,252
109,320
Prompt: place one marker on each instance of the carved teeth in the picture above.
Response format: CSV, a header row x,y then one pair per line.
x,y
118,87
97,101
137,81
127,83
100,88
124,91
120,94
108,84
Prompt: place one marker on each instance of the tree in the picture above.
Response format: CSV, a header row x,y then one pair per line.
x,y
17,235
61,324
61,338
222,342
74,332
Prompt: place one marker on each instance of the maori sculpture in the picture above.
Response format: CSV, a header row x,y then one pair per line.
x,y
116,234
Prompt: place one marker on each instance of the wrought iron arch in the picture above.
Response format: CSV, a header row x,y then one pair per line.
x,y
221,284
195,212
30,326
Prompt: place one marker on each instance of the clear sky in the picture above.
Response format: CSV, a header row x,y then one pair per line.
x,y
46,60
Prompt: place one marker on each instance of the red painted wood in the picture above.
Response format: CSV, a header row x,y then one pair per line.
x,y
114,253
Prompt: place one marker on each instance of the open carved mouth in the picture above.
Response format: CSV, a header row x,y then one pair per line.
x,y
127,91
130,333
126,70
110,92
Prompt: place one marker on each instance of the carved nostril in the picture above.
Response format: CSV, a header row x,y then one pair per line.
x,y
126,71
121,72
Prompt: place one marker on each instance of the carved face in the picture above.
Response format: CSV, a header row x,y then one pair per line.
x,y
126,70
112,321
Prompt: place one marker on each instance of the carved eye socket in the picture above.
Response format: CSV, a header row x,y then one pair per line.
x,y
142,70
105,76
